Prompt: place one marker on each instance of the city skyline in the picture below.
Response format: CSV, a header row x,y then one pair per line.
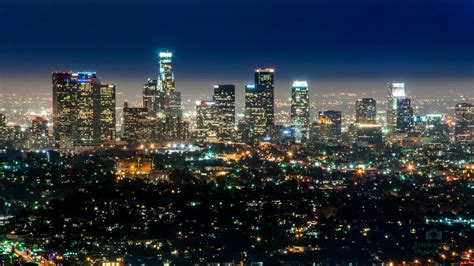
x,y
237,133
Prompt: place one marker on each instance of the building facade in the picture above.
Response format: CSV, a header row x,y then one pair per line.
x,y
395,91
255,112
264,79
224,98
300,111
464,123
404,116
207,125
83,109
137,127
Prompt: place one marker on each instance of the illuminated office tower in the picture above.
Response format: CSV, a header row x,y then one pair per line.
x,y
264,77
151,97
166,76
166,103
255,105
88,87
206,122
137,126
105,121
64,106
464,123
224,97
404,118
366,112
395,91
39,132
83,109
300,111
328,126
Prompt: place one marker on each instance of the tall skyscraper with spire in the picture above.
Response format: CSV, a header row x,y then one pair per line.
x,y
163,102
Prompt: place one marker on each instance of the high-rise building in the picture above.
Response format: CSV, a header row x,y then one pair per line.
x,y
366,111
166,76
300,111
404,116
151,97
264,78
83,109
137,126
224,97
464,123
206,122
88,87
164,103
328,126
255,112
395,91
105,114
64,106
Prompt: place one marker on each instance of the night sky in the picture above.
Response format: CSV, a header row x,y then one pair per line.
x,y
335,44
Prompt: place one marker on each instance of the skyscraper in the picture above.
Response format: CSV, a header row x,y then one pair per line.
x,y
166,75
224,97
83,109
264,77
64,106
105,114
88,87
395,91
255,111
206,122
300,111
137,127
151,97
165,103
366,111
404,118
464,123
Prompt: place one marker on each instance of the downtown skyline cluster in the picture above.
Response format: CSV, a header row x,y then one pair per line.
x,y
84,114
